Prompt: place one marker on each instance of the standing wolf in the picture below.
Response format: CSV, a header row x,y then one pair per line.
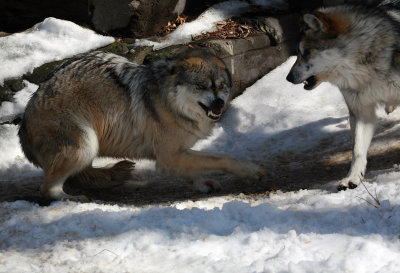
x,y
101,104
357,49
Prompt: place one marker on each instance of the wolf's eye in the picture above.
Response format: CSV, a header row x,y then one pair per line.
x,y
201,87
304,54
221,86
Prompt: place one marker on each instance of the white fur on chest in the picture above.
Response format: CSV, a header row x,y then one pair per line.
x,y
376,92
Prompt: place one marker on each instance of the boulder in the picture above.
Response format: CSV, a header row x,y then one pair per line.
x,y
18,15
9,88
251,58
137,18
106,15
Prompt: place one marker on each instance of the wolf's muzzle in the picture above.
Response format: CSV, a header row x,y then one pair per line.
x,y
216,105
291,78
214,110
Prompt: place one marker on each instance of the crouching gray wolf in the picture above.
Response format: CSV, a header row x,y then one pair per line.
x,y
357,49
101,104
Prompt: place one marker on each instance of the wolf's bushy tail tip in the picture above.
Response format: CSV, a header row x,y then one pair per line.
x,y
101,178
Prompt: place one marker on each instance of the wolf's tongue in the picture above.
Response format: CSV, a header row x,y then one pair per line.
x,y
216,111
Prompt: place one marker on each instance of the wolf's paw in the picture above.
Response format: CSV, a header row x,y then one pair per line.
x,y
56,193
348,183
78,198
252,171
67,197
206,185
75,198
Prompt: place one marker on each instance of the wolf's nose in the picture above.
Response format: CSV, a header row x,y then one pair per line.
x,y
290,77
217,104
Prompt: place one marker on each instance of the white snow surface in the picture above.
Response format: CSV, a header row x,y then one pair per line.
x,y
206,22
51,40
304,231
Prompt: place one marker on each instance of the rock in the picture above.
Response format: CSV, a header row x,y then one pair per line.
x,y
119,48
134,54
41,73
10,87
18,15
109,15
194,8
166,52
300,5
149,16
250,59
7,92
140,18
138,54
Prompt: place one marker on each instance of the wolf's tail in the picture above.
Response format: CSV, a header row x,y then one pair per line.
x,y
101,178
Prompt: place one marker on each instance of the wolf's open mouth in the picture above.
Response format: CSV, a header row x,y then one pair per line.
x,y
310,83
212,113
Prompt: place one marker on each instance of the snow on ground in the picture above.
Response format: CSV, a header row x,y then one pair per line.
x,y
50,40
308,231
305,231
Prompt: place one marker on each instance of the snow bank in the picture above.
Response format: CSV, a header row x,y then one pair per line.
x,y
308,231
50,40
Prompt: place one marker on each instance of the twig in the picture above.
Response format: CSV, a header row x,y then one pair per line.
x,y
373,197
368,202
104,250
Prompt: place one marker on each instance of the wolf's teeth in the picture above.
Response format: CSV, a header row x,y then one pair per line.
x,y
210,113
305,82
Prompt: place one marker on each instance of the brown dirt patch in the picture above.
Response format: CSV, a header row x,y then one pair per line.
x,y
316,168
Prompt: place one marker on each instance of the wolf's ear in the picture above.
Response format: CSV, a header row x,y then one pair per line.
x,y
175,66
314,23
327,24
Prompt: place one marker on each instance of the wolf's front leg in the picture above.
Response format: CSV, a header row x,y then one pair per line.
x,y
362,129
191,164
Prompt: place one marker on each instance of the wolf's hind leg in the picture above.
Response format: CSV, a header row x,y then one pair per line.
x,y
68,160
52,188
66,163
105,177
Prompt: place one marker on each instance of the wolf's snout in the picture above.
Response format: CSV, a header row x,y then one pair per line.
x,y
214,110
291,78
216,105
